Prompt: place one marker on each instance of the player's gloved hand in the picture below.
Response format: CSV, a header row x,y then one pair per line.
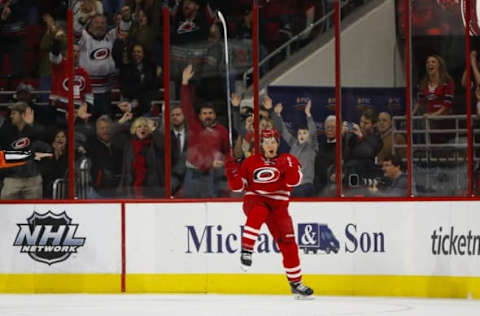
x,y
232,166
232,170
289,166
286,162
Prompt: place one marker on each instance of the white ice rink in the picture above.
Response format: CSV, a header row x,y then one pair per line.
x,y
251,305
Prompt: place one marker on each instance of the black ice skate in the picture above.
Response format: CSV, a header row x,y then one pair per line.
x,y
245,259
301,291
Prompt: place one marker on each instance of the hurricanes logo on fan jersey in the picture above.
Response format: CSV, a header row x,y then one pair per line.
x,y
100,54
79,82
21,143
266,175
187,27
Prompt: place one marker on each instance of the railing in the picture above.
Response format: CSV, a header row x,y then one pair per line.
x,y
47,92
439,153
287,45
82,186
453,135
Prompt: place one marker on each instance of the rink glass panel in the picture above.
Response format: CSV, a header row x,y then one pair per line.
x,y
286,33
373,100
25,75
439,142
198,171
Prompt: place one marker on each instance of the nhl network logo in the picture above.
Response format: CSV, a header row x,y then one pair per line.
x,y
49,237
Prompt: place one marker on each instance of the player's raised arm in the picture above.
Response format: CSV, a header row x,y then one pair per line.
x,y
290,166
232,170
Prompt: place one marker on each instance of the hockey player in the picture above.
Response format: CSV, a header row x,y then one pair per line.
x,y
267,180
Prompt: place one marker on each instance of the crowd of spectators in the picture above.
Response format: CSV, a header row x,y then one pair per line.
x,y
118,67
27,28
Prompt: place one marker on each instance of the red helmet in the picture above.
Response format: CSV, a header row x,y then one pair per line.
x,y
269,133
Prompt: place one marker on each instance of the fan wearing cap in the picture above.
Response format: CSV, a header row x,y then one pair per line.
x,y
43,114
23,181
267,180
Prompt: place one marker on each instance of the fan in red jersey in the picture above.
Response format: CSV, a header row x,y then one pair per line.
x,y
82,89
437,89
267,180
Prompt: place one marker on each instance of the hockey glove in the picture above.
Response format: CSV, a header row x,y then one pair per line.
x,y
290,168
232,170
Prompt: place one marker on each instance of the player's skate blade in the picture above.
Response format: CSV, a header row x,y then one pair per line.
x,y
301,291
245,260
303,297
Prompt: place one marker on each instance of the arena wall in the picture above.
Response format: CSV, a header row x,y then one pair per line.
x,y
369,59
422,249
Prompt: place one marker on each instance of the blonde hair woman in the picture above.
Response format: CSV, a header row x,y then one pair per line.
x,y
143,161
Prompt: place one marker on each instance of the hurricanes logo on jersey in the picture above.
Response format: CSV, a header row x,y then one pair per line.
x,y
187,27
100,54
21,143
266,175
79,82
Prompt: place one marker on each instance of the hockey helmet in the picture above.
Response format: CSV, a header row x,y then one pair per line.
x,y
270,133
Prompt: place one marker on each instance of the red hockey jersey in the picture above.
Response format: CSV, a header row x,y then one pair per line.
x,y
270,178
82,88
436,97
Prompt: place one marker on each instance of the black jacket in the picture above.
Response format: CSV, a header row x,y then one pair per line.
x,y
105,166
324,162
359,154
178,162
32,137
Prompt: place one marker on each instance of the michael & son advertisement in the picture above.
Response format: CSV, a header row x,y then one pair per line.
x,y
368,238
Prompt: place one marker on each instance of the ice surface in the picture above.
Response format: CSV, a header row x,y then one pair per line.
x,y
249,305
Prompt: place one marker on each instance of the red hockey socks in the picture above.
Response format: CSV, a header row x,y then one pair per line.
x,y
249,237
291,261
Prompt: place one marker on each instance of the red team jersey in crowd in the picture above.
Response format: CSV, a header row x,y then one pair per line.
x,y
268,178
205,144
439,96
82,88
